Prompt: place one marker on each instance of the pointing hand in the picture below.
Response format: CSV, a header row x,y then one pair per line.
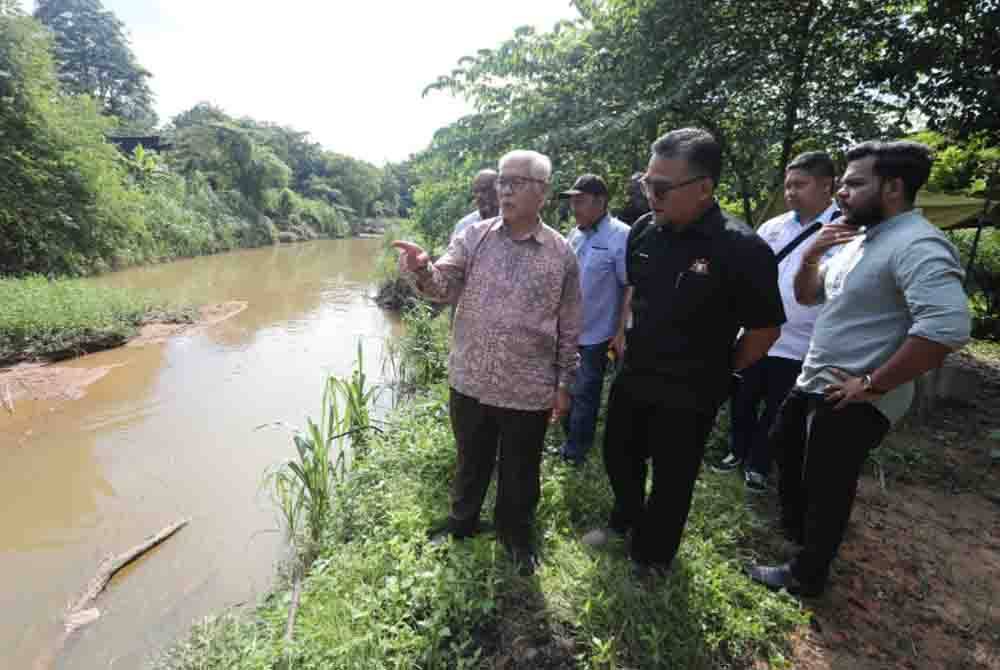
x,y
411,257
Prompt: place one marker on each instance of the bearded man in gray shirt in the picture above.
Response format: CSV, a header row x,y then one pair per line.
x,y
892,308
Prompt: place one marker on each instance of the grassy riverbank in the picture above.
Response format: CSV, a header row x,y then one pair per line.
x,y
41,318
379,596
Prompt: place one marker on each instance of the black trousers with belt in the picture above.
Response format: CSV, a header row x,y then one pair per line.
x,y
820,452
640,430
480,430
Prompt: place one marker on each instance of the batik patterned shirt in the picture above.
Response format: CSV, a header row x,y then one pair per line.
x,y
518,313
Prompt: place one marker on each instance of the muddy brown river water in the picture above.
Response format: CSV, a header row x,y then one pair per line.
x,y
170,433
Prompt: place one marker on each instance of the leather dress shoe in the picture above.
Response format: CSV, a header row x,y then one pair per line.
x,y
777,577
525,559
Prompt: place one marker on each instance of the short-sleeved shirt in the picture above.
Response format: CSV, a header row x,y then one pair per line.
x,y
694,290
778,232
901,278
465,222
600,249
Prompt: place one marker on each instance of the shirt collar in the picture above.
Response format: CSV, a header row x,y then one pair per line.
x,y
891,222
709,223
535,233
823,217
594,229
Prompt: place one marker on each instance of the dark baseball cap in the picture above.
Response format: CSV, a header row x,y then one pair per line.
x,y
587,183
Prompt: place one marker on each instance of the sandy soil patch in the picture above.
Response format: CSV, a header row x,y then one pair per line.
x,y
152,333
917,583
50,381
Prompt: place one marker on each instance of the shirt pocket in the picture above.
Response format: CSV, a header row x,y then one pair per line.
x,y
599,261
695,298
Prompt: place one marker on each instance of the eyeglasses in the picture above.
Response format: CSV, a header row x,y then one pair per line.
x,y
657,189
516,183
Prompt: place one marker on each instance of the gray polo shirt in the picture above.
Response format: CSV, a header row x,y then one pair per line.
x,y
901,278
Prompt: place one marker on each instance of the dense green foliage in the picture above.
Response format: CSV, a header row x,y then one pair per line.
x,y
94,58
769,78
72,204
41,318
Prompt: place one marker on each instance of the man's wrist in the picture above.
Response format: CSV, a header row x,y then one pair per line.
x,y
868,384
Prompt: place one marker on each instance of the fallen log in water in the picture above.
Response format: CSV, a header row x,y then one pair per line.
x,y
80,613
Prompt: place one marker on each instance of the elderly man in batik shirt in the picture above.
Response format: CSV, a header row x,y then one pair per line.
x,y
515,284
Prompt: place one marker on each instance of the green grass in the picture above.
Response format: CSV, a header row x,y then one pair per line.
x,y
379,596
42,318
985,350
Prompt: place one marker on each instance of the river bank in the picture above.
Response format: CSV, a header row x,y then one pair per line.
x,y
380,596
45,380
170,432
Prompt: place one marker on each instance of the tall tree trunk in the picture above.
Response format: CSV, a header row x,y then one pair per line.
x,y
800,66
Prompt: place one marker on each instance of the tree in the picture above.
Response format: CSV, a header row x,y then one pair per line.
x,y
942,59
94,58
64,206
767,77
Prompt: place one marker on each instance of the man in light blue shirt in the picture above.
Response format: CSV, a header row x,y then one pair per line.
x,y
892,308
599,241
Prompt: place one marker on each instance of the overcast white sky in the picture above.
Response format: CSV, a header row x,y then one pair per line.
x,y
348,71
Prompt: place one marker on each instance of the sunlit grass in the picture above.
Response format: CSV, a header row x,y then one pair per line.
x,y
41,317
379,596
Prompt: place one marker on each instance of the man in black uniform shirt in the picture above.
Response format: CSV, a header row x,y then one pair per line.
x,y
698,278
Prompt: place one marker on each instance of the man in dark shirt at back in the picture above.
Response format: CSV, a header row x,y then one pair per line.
x,y
698,278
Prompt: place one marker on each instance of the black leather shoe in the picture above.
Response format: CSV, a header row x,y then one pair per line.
x,y
525,559
777,577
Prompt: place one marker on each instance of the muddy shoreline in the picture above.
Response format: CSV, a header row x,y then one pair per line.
x,y
48,379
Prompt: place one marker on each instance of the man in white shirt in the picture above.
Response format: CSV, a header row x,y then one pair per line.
x,y
484,193
809,181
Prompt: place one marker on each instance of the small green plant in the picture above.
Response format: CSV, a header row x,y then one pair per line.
x,y
424,346
304,488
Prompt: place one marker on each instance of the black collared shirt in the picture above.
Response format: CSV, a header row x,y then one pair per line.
x,y
694,290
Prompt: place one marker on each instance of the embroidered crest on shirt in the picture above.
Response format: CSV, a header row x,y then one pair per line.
x,y
699,266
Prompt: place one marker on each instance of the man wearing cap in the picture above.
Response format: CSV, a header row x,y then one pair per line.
x,y
599,242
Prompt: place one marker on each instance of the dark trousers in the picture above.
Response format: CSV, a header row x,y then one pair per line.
x,y
479,431
820,462
768,380
639,429
582,418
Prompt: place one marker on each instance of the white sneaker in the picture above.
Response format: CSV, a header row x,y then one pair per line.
x,y
727,464
601,536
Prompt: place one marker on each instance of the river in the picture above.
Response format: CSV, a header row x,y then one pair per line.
x,y
171,432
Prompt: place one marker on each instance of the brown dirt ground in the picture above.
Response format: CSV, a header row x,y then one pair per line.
x,y
41,381
917,583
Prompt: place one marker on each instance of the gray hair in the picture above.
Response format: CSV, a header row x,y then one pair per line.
x,y
540,167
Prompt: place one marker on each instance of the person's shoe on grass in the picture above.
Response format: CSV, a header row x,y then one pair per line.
x,y
755,482
728,464
601,536
777,577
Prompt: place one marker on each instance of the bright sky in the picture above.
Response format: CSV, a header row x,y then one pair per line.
x,y
348,71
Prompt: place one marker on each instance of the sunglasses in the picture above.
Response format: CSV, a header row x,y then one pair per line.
x,y
657,189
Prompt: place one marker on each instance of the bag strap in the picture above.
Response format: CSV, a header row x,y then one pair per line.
x,y
800,238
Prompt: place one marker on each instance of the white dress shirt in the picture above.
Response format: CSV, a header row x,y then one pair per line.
x,y
797,330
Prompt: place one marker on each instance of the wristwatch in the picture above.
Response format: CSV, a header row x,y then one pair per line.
x,y
866,385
